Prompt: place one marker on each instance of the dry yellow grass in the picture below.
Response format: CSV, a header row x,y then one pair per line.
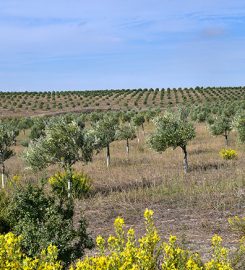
x,y
193,206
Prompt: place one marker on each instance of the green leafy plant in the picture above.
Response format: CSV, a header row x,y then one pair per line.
x,y
239,124
126,132
104,132
64,142
221,125
41,221
139,120
172,130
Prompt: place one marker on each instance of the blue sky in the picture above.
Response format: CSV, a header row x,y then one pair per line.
x,y
105,44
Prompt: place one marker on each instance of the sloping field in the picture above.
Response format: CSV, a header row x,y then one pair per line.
x,y
49,103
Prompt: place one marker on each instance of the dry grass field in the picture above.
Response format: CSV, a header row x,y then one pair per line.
x,y
193,206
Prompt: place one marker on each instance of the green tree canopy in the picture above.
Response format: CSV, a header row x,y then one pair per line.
x,y
38,128
64,143
25,123
172,131
126,132
239,124
221,125
104,132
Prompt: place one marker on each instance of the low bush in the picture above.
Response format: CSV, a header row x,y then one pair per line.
x,y
11,256
4,224
123,251
80,184
228,154
238,224
24,143
42,221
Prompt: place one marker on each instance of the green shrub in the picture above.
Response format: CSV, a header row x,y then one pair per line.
x,y
42,221
4,224
25,143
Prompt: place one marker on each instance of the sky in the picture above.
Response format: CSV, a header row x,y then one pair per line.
x,y
120,44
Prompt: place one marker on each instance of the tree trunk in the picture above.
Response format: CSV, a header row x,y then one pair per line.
x,y
69,182
108,156
69,187
3,172
226,139
185,161
127,147
143,128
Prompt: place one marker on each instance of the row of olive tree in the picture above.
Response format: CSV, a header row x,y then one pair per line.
x,y
65,140
221,118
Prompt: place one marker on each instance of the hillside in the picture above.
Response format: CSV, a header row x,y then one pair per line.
x,y
49,103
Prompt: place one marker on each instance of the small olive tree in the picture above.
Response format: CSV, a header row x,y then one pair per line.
x,y
221,125
38,128
25,123
139,120
126,116
63,143
104,132
149,115
239,124
172,131
7,140
126,132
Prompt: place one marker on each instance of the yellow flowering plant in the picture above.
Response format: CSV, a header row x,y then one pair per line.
x,y
80,182
123,252
238,224
228,154
11,256
219,257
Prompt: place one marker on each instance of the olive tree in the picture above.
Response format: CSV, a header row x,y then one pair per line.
x,y
149,115
126,116
104,132
64,143
172,131
25,123
38,128
139,120
126,132
239,124
7,140
221,125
